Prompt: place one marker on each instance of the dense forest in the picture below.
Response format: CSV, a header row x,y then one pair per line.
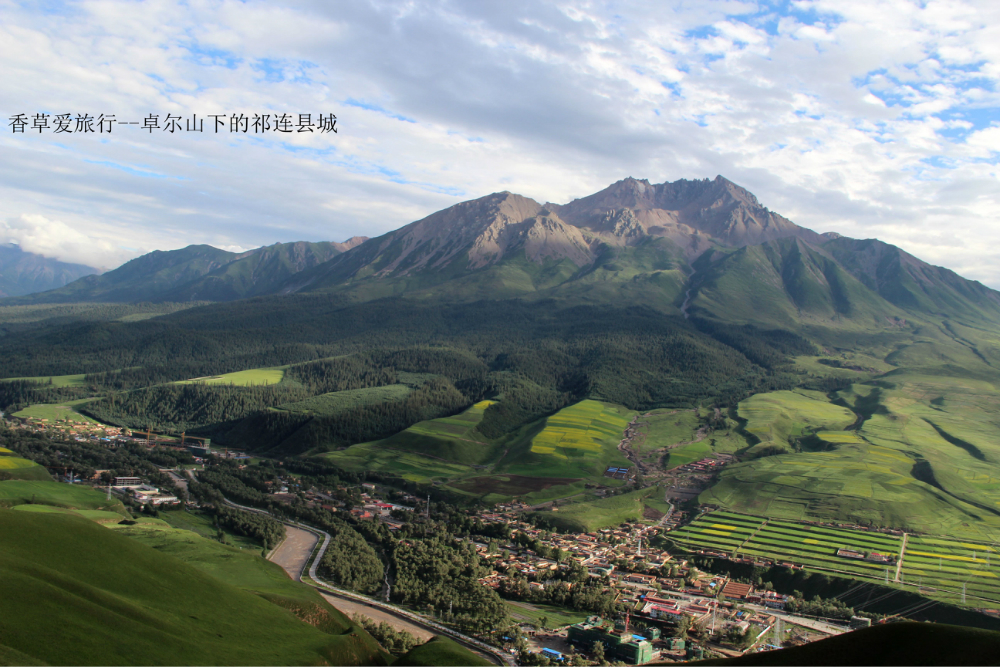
x,y
534,357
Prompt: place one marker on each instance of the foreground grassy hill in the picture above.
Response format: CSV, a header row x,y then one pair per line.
x,y
15,467
440,651
78,593
50,493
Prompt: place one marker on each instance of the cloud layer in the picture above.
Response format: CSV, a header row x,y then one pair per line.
x,y
871,119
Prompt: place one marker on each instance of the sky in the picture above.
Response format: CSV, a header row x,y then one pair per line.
x,y
872,119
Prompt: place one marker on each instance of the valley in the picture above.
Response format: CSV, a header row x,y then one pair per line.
x,y
671,365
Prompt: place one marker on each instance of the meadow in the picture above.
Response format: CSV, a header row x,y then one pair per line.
x,y
58,412
587,515
554,616
15,467
251,377
775,419
58,381
80,593
69,496
922,459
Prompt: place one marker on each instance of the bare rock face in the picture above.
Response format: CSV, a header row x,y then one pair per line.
x,y
693,214
472,235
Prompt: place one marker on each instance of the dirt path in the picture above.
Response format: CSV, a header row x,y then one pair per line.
x,y
351,607
902,552
293,553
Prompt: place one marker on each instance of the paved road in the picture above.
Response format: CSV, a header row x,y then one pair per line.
x,y
293,553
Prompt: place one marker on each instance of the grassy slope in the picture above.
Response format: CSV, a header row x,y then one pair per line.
x,y
16,492
440,651
16,468
77,593
579,441
54,412
924,459
777,417
253,376
590,515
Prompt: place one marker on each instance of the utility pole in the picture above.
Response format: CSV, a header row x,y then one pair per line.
x,y
428,505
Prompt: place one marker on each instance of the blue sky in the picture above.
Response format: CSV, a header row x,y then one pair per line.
x,y
870,119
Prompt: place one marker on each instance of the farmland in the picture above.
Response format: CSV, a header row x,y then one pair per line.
x,y
579,441
922,459
936,566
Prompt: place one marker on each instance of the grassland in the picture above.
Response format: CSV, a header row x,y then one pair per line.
x,y
554,616
672,438
57,412
774,419
15,467
78,593
202,524
69,496
586,515
923,458
253,376
436,449
440,651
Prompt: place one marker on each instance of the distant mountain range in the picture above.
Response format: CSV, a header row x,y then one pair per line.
x,y
25,272
702,247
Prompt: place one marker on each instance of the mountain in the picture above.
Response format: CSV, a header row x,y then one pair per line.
x,y
258,272
521,246
26,273
197,272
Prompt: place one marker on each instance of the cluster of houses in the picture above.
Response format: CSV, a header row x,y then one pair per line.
x,y
142,492
76,428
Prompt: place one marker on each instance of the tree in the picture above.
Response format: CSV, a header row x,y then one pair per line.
x,y
681,629
544,620
599,653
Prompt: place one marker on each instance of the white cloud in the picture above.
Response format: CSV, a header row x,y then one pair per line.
x,y
52,238
868,118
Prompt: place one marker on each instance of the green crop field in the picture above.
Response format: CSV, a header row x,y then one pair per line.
x,y
70,496
579,441
57,412
332,404
79,593
941,568
582,516
253,376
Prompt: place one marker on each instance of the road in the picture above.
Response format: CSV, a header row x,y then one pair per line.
x,y
902,552
298,554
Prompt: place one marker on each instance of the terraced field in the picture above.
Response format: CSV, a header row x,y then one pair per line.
x,y
940,567
777,417
718,531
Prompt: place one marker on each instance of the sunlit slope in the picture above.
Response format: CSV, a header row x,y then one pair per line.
x,y
77,593
436,448
579,441
15,467
924,458
48,492
774,418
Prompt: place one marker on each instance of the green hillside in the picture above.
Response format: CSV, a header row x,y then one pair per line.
x,y
15,467
48,492
440,651
79,593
